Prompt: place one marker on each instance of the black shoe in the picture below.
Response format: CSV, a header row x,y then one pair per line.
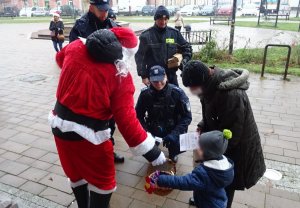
x,y
174,159
192,201
118,158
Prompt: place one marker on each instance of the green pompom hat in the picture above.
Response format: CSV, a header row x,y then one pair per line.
x,y
227,134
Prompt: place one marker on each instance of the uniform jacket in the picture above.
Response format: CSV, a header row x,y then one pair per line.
x,y
92,91
208,181
88,24
225,105
157,46
168,108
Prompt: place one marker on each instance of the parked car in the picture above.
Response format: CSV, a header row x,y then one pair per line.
x,y
138,10
27,11
225,10
55,10
9,11
190,10
148,10
68,10
208,10
128,11
40,11
284,9
173,9
115,10
249,10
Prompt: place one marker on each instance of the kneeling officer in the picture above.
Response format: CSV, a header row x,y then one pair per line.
x,y
164,110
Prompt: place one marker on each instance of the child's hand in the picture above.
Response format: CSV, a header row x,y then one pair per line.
x,y
157,186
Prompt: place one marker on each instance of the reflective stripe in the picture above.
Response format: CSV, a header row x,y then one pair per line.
x,y
85,132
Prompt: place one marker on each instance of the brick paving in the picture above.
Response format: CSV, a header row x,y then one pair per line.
x,y
30,171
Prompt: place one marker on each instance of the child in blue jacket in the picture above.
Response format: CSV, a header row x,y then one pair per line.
x,y
209,179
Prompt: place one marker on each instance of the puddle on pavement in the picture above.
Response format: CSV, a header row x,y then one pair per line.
x,y
33,78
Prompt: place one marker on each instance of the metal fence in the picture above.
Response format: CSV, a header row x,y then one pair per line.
x,y
197,37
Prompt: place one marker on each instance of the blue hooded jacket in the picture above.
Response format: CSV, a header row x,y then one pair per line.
x,y
208,181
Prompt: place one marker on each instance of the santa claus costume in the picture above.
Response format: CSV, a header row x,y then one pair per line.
x,y
94,86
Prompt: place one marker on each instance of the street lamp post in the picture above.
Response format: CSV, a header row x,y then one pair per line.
x,y
298,9
232,27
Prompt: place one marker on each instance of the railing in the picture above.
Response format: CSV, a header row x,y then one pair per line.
x,y
287,60
197,37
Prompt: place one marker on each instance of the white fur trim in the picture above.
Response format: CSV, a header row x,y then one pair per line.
x,y
223,164
85,132
83,40
123,65
145,146
100,191
160,160
77,183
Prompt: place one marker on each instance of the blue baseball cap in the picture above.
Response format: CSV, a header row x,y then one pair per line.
x,y
101,4
157,73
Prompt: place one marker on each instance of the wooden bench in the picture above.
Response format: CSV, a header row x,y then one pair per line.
x,y
287,16
219,19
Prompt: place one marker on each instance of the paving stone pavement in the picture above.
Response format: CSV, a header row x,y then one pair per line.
x,y
30,171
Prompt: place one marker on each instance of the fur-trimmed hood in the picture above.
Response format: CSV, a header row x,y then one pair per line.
x,y
233,79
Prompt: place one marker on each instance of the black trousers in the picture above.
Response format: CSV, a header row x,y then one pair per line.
x,y
178,28
230,196
86,199
172,77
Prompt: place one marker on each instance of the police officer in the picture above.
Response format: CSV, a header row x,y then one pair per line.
x,y
112,15
164,110
158,44
95,19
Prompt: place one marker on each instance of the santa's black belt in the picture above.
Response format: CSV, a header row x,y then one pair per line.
x,y
66,114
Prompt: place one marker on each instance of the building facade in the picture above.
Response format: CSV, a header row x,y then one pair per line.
x,y
42,3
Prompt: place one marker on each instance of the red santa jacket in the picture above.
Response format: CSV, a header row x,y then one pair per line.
x,y
90,93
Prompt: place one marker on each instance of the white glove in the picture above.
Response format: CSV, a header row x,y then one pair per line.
x,y
160,160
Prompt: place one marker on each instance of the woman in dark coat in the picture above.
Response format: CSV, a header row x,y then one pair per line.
x,y
56,27
225,105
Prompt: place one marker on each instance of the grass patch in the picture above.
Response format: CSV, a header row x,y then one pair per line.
x,y
270,25
18,20
251,59
256,68
295,18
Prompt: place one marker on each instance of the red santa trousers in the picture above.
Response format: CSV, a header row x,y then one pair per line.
x,y
84,162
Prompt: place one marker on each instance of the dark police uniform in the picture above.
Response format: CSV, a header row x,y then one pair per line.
x,y
88,24
157,45
165,113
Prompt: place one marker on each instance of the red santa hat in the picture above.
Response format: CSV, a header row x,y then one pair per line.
x,y
126,37
129,43
56,14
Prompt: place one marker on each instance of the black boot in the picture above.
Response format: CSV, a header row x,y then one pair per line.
x,y
192,201
82,195
118,158
174,159
99,200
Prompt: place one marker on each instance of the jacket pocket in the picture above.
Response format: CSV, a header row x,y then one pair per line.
x,y
171,50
